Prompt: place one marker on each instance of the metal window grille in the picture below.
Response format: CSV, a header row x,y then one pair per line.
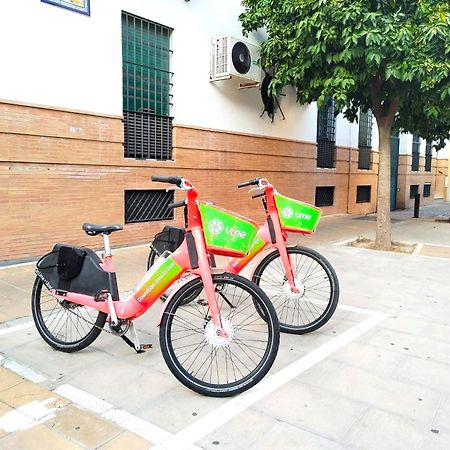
x,y
326,135
363,194
428,157
427,190
147,88
415,153
324,196
365,139
148,205
413,190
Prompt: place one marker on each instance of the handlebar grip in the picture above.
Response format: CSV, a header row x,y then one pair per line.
x,y
177,204
261,194
248,183
165,179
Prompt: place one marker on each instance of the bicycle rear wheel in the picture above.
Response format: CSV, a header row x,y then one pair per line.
x,y
214,365
318,295
65,326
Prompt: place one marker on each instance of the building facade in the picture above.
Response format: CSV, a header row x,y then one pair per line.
x,y
92,105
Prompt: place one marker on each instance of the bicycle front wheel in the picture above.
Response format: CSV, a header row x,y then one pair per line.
x,y
65,326
310,308
213,365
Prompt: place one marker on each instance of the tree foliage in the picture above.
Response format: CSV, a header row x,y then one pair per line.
x,y
391,56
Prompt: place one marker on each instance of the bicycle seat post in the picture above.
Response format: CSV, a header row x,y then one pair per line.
x,y
106,244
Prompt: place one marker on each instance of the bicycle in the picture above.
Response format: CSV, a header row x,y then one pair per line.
x,y
219,344
300,282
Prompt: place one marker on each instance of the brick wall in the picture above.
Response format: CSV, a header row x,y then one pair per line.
x,y
61,168
441,175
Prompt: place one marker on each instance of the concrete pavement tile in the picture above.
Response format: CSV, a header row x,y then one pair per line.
x,y
36,438
368,357
241,432
405,323
432,374
312,408
8,379
288,437
82,427
379,430
397,396
442,418
3,410
26,392
435,251
127,440
436,440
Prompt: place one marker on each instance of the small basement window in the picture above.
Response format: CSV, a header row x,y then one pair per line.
x,y
148,205
324,196
427,190
413,190
363,194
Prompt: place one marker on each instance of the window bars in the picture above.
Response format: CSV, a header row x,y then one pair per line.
x,y
415,153
428,157
365,139
148,205
324,196
147,88
326,135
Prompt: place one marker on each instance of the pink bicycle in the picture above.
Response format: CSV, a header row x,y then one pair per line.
x,y
220,343
300,282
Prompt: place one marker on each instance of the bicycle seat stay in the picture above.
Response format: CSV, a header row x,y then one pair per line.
x,y
93,230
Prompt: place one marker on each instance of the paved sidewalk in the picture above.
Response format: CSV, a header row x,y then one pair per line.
x,y
387,387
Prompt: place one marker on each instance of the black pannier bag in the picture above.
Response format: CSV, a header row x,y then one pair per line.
x,y
170,238
74,269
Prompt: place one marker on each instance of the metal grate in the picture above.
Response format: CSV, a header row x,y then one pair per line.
x,y
413,190
363,194
148,205
428,157
147,136
147,86
365,139
326,135
427,190
415,153
324,196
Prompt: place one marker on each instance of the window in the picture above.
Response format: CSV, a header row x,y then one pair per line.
x,y
413,190
145,206
363,194
427,189
415,153
324,196
326,135
365,139
428,155
147,83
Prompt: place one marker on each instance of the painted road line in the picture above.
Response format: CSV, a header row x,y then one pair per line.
x,y
237,405
24,371
14,328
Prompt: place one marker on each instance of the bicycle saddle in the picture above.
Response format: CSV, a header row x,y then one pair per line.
x,y
92,229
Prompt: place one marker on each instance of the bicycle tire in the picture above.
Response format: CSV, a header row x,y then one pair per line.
x,y
152,256
63,325
209,364
317,300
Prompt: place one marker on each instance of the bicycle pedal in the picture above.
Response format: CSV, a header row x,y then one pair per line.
x,y
144,347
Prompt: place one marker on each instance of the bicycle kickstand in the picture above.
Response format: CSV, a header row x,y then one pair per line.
x,y
139,348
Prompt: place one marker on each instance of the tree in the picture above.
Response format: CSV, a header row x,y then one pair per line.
x,y
390,56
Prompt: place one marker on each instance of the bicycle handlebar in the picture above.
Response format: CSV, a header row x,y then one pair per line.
x,y
177,204
252,182
261,194
171,180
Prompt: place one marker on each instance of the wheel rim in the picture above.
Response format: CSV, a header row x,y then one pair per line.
x,y
66,322
208,360
315,290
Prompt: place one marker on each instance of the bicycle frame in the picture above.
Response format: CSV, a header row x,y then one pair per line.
x,y
270,235
191,256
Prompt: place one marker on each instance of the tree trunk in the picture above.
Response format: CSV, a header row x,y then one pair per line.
x,y
383,236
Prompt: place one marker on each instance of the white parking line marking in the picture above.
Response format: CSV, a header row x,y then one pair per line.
x,y
237,405
23,371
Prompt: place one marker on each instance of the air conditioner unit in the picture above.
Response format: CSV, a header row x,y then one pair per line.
x,y
234,58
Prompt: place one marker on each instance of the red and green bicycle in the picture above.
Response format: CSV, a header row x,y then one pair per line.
x,y
300,282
